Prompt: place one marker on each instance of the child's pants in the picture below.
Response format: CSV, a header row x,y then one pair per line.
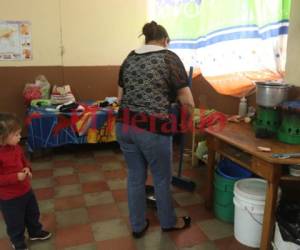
x,y
20,213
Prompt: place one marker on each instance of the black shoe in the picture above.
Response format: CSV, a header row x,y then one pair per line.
x,y
43,235
141,233
187,222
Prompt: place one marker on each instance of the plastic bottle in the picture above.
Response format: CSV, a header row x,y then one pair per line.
x,y
243,107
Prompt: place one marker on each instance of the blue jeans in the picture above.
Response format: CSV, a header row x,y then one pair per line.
x,y
144,149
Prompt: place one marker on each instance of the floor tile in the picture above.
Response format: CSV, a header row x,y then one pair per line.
x,y
72,217
188,237
112,165
124,243
90,177
155,240
46,206
216,229
186,198
2,229
123,207
70,236
44,165
120,195
83,247
67,190
5,244
42,183
109,229
63,156
69,202
104,159
180,212
87,167
231,243
92,199
42,245
120,157
84,155
63,171
103,212
199,212
43,173
97,186
63,162
208,245
115,174
66,179
44,193
117,184
48,221
85,160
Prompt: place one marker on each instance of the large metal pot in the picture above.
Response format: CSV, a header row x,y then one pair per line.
x,y
271,94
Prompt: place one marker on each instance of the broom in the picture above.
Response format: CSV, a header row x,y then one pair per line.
x,y
178,180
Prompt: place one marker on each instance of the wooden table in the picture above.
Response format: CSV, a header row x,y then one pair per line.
x,y
238,143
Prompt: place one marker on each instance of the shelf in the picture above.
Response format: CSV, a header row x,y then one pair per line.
x,y
290,178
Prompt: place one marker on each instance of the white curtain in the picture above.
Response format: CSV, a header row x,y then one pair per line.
x,y
232,42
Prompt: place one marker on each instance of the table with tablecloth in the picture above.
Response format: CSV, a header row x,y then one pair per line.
x,y
48,128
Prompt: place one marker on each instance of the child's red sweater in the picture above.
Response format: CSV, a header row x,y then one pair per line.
x,y
12,161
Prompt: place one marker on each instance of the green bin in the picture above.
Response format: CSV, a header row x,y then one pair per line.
x,y
223,198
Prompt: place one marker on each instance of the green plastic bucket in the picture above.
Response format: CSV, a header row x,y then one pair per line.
x,y
226,174
223,198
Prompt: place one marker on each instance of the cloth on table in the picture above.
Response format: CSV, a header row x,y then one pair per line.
x,y
48,129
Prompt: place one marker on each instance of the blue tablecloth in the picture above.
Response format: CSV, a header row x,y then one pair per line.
x,y
41,122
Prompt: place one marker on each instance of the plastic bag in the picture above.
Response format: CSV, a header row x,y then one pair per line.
x,y
288,217
201,149
31,92
44,85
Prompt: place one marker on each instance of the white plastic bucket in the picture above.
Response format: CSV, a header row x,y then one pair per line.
x,y
280,244
295,170
249,201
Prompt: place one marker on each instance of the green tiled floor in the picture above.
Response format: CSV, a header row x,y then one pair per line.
x,y
82,196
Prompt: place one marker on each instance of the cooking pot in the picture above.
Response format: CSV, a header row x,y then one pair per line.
x,y
271,94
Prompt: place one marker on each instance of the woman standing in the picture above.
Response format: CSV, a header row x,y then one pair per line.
x,y
150,79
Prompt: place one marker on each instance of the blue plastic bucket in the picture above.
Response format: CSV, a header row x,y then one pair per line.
x,y
231,170
227,173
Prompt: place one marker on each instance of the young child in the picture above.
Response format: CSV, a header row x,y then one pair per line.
x,y
18,203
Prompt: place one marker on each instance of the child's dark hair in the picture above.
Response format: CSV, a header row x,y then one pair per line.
x,y
9,123
153,31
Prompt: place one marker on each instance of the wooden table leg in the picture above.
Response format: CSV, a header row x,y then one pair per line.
x,y
270,209
210,173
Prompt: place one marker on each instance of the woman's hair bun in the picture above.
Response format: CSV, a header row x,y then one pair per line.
x,y
149,28
153,23
154,31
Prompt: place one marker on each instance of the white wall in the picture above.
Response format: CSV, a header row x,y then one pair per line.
x,y
94,32
98,32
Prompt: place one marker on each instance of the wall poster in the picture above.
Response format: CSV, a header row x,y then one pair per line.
x,y
15,40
